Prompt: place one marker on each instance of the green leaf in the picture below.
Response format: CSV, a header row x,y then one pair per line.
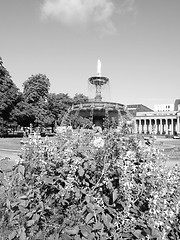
x,y
99,209
64,236
81,171
21,169
22,235
29,214
106,221
97,226
23,203
14,204
137,233
91,236
12,235
85,230
72,231
77,238
86,165
115,195
36,217
51,237
90,206
48,180
24,197
30,223
8,204
106,199
77,192
1,175
89,217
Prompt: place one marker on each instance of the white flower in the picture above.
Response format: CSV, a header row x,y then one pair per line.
x,y
68,151
98,142
69,128
97,129
61,129
118,129
130,155
43,161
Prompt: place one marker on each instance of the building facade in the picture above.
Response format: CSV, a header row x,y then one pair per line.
x,y
158,122
167,123
163,107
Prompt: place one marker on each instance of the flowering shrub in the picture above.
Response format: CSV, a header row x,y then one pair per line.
x,y
88,184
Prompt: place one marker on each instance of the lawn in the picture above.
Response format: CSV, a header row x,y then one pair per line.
x,y
10,147
10,143
171,149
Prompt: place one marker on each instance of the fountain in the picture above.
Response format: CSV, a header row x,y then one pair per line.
x,y
96,109
98,81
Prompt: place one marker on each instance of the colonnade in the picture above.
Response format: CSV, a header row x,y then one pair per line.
x,y
158,125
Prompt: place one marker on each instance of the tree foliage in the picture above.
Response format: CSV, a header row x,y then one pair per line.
x,y
74,120
35,105
80,98
9,95
36,88
58,105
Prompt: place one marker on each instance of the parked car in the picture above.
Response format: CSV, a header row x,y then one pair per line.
x,y
176,137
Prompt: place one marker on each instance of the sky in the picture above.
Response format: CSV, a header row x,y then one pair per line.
x,y
137,41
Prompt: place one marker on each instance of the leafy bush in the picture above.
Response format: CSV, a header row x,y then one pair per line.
x,y
89,184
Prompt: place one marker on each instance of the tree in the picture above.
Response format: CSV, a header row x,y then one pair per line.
x,y
58,105
36,88
23,113
33,106
77,121
9,96
80,98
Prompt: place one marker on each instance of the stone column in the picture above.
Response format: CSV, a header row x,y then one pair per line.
x,y
172,126
145,126
161,126
178,124
150,126
136,128
166,126
175,125
169,126
156,125
141,125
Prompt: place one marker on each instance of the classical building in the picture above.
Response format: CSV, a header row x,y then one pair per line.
x,y
158,122
163,107
134,108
